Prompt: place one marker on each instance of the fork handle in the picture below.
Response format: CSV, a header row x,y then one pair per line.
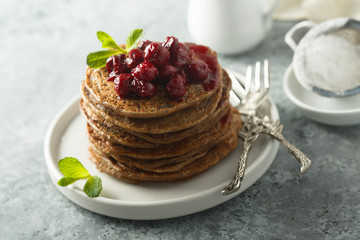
x,y
235,183
304,161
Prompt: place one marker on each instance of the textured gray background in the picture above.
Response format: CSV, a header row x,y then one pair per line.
x,y
43,45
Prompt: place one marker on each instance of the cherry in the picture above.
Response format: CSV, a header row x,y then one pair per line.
x,y
145,72
197,71
142,45
176,87
157,54
143,89
112,76
136,56
117,66
122,84
109,64
166,71
171,43
182,56
171,64
200,49
210,83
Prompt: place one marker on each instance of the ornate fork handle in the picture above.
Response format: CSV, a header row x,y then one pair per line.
x,y
304,161
235,183
274,129
249,133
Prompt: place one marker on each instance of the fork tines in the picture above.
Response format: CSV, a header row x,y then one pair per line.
x,y
241,90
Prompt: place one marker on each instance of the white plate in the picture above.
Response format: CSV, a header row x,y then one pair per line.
x,y
328,110
66,136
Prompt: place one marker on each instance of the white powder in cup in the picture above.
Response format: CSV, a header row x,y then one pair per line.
x,y
333,60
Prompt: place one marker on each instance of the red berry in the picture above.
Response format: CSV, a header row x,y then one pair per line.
x,y
136,56
200,49
157,54
171,43
122,84
166,71
119,64
145,72
109,65
176,87
197,71
116,65
112,76
182,56
143,89
210,83
142,45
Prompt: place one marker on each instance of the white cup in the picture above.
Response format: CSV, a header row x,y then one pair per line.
x,y
229,26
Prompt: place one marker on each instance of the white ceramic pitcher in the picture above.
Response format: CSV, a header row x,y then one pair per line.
x,y
230,26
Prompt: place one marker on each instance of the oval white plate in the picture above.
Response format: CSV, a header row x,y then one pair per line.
x,y
328,110
66,136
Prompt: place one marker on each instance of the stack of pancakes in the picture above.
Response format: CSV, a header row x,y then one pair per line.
x,y
158,139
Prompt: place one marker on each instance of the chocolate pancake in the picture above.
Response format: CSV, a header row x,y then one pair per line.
x,y
115,134
167,164
129,174
158,105
156,165
179,120
145,140
192,143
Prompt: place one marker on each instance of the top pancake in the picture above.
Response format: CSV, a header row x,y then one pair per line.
x,y
157,106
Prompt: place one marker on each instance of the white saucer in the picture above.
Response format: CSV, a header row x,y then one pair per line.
x,y
332,111
66,136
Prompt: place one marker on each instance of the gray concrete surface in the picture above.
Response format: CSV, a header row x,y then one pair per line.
x,y
43,46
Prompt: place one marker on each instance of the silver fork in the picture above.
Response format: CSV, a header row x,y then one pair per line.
x,y
250,97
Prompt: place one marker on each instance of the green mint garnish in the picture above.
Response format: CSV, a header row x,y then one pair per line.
x,y
107,41
93,186
133,39
73,170
98,59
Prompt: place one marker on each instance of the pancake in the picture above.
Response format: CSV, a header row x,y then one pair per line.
x,y
123,172
189,144
157,165
138,138
157,106
179,120
168,164
115,134
130,138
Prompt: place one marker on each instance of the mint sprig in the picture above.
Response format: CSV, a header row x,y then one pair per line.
x,y
98,59
133,39
73,170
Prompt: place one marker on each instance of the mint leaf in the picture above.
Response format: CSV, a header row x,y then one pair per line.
x,y
133,38
66,181
98,59
93,186
73,171
71,167
107,41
